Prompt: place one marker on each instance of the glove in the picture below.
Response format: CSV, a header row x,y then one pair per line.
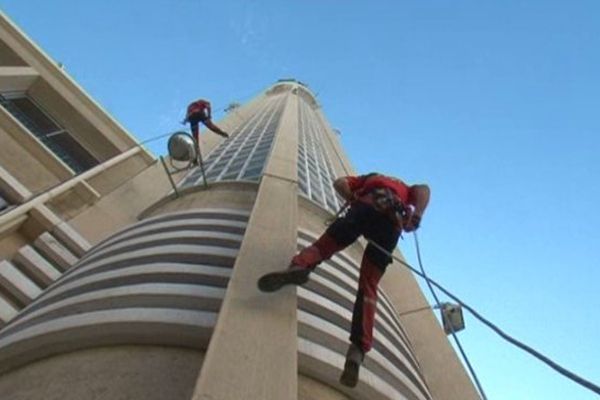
x,y
412,223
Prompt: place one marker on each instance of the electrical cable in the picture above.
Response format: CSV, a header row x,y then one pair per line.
x,y
439,305
151,139
563,371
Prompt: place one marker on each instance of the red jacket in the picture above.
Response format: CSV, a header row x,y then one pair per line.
x,y
199,106
363,185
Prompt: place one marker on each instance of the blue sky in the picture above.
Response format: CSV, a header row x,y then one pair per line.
x,y
493,104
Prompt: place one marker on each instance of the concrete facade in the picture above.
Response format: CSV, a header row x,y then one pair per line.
x,y
114,286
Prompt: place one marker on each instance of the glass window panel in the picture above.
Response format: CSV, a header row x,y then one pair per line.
x,y
256,161
54,137
256,157
261,156
26,109
214,172
265,147
237,164
253,171
230,175
220,164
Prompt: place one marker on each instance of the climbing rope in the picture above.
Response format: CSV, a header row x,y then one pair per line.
x,y
563,371
439,305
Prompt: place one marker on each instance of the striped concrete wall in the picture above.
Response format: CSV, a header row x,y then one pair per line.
x,y
34,267
325,304
159,282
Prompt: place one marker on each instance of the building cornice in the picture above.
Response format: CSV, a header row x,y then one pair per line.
x,y
57,78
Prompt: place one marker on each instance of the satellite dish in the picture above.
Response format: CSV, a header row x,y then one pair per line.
x,y
182,147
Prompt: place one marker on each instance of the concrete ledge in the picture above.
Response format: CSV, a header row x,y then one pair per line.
x,y
62,230
190,254
52,249
12,225
11,187
242,186
17,283
232,213
207,212
191,222
7,311
17,79
137,275
181,236
69,236
123,326
152,295
36,266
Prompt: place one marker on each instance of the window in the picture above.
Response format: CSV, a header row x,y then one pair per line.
x,y
211,175
255,171
229,176
53,136
314,170
259,156
220,164
237,165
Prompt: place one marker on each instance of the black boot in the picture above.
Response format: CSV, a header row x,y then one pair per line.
x,y
354,358
294,275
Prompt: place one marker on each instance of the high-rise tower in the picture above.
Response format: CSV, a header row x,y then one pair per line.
x,y
114,286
